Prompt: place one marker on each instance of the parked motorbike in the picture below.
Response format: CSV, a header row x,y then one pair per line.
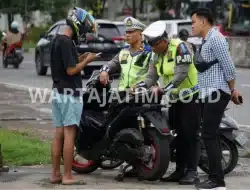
x,y
230,139
14,56
109,131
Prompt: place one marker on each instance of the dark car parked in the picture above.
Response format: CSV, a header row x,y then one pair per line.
x,y
108,41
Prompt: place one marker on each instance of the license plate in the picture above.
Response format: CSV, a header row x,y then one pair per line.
x,y
18,51
107,45
241,139
99,46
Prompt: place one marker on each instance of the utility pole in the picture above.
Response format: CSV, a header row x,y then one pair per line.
x,y
134,9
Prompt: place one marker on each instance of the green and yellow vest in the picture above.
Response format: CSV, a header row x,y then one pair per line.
x,y
165,66
133,68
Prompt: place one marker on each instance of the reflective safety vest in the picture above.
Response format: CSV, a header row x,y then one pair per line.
x,y
133,68
165,66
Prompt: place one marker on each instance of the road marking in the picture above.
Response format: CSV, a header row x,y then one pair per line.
x,y
242,125
22,87
245,85
45,110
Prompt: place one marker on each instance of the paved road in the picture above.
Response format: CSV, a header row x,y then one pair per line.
x,y
26,76
38,178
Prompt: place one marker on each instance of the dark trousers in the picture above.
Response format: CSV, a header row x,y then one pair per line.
x,y
212,115
185,119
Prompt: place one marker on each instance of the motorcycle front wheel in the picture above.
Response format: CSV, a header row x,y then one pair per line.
x,y
81,165
229,151
159,163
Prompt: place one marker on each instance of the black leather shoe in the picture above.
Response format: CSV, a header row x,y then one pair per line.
x,y
174,177
190,178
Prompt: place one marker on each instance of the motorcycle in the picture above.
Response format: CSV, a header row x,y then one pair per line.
x,y
14,56
230,139
109,130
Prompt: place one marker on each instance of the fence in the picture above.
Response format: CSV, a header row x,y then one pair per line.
x,y
240,51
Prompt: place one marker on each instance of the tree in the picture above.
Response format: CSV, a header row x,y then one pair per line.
x,y
162,5
23,7
56,8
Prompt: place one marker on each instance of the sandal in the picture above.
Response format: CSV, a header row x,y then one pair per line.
x,y
75,182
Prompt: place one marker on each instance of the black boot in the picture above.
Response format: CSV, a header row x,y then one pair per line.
x,y
174,177
190,178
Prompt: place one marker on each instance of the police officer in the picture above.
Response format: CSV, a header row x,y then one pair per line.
x,y
133,60
172,61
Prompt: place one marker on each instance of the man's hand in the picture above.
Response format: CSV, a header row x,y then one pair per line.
x,y
83,56
104,78
236,97
90,57
156,90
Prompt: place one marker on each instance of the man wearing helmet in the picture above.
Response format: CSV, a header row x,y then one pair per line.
x,y
183,35
67,85
13,36
173,62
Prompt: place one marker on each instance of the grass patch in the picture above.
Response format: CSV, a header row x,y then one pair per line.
x,y
248,154
29,44
20,149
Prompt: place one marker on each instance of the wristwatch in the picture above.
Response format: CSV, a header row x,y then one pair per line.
x,y
105,68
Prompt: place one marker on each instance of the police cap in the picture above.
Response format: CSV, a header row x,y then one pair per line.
x,y
155,31
132,24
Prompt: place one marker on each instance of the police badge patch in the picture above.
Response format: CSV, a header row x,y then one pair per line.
x,y
124,57
129,22
170,55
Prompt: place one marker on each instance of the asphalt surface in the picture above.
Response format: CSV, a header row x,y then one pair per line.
x,y
26,76
37,177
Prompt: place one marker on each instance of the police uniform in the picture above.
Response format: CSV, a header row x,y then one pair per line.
x,y
133,65
178,72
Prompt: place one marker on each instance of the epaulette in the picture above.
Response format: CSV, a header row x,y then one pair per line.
x,y
126,47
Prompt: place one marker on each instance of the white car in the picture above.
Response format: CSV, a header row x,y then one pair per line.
x,y
174,26
121,27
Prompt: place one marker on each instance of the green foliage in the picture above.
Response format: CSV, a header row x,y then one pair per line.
x,y
21,149
57,8
35,34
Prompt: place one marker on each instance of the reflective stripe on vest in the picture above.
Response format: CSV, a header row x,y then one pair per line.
x,y
132,70
165,67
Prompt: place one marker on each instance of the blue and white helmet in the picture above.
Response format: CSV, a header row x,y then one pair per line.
x,y
14,25
81,21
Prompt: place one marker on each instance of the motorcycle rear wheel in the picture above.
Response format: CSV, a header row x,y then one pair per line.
x,y
5,65
160,159
16,65
233,160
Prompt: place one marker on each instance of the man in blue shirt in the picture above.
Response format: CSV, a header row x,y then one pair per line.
x,y
216,79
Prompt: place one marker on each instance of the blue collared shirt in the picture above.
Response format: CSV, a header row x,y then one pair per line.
x,y
216,47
